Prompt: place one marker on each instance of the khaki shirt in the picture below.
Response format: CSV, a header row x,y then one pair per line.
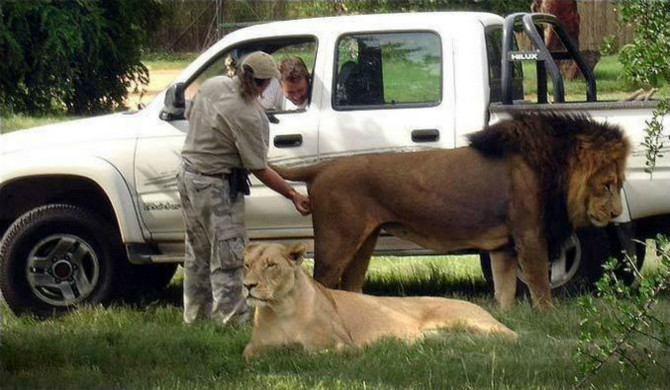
x,y
225,131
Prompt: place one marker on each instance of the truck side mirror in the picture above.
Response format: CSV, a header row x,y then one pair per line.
x,y
272,118
174,103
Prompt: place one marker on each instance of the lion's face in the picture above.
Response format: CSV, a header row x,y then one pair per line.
x,y
270,272
598,200
604,201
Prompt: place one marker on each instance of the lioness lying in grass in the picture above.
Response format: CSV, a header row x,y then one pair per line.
x,y
291,308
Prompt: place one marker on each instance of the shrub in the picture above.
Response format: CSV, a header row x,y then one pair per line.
x,y
645,60
624,329
76,56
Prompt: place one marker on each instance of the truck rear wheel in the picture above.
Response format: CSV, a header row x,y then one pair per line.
x,y
57,256
579,264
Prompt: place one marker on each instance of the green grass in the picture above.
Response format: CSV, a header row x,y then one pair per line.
x,y
17,122
412,82
609,84
146,345
164,61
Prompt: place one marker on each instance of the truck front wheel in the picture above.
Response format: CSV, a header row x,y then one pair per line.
x,y
57,256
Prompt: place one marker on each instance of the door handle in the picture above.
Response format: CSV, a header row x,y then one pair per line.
x,y
288,140
425,135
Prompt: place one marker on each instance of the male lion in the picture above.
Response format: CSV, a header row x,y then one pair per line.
x,y
517,191
291,308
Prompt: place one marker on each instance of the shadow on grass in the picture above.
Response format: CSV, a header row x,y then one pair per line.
x,y
170,296
435,282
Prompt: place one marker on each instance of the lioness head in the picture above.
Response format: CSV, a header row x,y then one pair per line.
x,y
595,182
270,272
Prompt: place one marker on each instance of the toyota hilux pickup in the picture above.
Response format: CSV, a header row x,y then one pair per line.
x,y
89,209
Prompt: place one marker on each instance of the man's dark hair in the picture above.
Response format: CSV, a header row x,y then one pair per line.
x,y
293,69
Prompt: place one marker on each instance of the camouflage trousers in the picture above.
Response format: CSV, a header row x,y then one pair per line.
x,y
214,255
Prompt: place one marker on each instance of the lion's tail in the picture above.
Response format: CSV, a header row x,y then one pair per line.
x,y
304,173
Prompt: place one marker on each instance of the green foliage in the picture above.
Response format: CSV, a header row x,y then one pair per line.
x,y
626,331
623,328
608,46
77,56
654,135
257,10
645,60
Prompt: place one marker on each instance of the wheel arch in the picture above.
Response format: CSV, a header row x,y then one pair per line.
x,y
88,182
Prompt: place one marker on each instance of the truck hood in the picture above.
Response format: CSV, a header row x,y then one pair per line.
x,y
72,134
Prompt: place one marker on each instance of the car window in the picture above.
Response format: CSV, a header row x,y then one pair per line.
x,y
388,69
494,54
226,63
306,51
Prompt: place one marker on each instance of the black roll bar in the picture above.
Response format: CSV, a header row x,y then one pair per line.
x,y
545,60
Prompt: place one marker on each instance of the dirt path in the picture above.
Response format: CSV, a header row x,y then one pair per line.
x,y
158,80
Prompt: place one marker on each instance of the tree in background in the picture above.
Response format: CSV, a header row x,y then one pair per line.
x,y
645,60
312,8
79,56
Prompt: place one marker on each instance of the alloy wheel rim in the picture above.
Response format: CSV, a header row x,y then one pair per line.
x,y
62,270
563,268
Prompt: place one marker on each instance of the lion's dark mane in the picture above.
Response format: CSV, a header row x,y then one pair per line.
x,y
546,141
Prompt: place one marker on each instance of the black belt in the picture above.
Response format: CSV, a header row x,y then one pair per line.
x,y
190,169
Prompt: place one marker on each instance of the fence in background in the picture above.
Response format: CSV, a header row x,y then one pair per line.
x,y
189,26
598,20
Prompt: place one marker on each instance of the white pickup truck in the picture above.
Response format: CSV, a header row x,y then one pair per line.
x,y
89,208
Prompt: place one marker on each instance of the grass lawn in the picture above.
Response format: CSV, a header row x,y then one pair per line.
x,y
609,85
158,61
17,122
146,345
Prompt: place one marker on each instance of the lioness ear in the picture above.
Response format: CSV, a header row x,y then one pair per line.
x,y
296,252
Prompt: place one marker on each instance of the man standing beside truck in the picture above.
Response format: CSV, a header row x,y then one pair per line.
x,y
228,136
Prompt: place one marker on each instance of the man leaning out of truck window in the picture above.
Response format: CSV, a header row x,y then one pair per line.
x,y
292,92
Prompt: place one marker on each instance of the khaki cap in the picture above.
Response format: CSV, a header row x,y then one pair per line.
x,y
262,64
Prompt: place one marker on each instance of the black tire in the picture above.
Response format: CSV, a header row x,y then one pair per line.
x,y
58,256
582,259
151,278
